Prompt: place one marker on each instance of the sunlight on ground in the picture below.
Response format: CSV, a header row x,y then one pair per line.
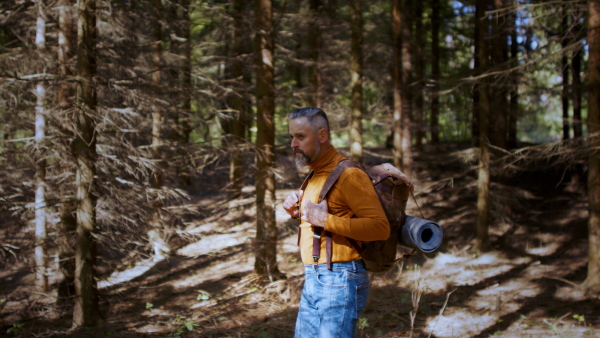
x,y
549,243
490,304
216,243
446,270
126,275
460,323
240,263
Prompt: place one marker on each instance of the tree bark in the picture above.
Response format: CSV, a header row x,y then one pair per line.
x,y
499,57
314,53
236,101
41,259
187,86
407,79
592,282
577,89
356,73
156,179
397,65
565,75
435,72
266,227
68,223
479,15
86,311
483,173
419,74
514,90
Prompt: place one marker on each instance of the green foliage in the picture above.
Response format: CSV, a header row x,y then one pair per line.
x,y
183,327
203,296
15,329
363,323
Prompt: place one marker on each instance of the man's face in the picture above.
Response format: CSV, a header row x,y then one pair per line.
x,y
305,143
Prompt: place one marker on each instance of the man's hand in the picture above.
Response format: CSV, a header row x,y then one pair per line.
x,y
291,205
315,214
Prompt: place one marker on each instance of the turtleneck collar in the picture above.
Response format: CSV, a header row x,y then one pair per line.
x,y
326,159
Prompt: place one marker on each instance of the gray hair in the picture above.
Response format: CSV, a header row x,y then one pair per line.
x,y
316,117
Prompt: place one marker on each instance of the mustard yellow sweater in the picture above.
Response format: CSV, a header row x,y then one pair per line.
x,y
354,211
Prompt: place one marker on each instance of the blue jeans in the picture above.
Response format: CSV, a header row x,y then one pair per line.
x,y
332,300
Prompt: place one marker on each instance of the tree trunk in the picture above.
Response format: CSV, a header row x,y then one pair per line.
x,y
86,311
236,101
407,69
266,227
314,53
68,223
156,179
499,57
419,73
565,74
186,83
435,72
356,73
479,16
41,259
577,89
397,82
592,282
514,91
483,173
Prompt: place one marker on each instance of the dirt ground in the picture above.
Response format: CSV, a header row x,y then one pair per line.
x,y
526,286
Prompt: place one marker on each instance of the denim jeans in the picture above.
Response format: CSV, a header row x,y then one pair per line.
x,y
332,300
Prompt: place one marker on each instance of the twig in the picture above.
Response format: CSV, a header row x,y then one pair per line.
x,y
441,311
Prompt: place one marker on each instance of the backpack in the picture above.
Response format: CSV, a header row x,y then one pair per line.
x,y
393,189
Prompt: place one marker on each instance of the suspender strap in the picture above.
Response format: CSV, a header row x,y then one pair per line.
x,y
329,183
318,231
302,187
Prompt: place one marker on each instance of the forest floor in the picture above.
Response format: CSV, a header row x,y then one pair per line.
x,y
527,286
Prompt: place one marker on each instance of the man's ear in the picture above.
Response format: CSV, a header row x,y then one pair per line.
x,y
323,135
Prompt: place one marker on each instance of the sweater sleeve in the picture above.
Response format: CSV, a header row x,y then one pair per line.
x,y
369,222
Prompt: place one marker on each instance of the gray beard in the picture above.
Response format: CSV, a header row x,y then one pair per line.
x,y
303,161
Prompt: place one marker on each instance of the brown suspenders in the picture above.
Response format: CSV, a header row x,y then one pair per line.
x,y
329,183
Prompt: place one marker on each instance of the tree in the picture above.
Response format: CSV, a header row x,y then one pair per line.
x,y
514,90
86,311
237,100
67,224
397,81
483,171
565,74
41,260
592,282
356,74
156,180
314,53
187,87
419,73
266,226
577,88
435,72
499,58
407,70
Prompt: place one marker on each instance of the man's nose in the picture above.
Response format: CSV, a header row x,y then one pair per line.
x,y
294,143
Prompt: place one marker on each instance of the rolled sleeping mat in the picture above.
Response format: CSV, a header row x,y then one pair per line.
x,y
421,234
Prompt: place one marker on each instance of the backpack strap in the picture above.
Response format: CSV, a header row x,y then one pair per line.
x,y
329,183
302,187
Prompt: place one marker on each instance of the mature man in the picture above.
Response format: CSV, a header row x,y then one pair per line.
x,y
332,300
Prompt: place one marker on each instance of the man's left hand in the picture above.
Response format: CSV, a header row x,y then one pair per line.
x,y
315,214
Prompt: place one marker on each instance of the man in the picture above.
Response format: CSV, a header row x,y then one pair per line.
x,y
332,300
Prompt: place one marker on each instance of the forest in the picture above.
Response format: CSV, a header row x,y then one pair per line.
x,y
145,155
